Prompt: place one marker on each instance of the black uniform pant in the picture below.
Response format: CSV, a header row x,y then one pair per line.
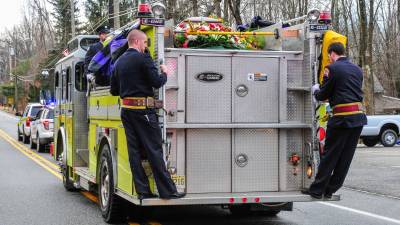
x,y
340,145
143,133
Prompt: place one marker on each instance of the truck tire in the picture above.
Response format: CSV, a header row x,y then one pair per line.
x,y
246,210
370,142
68,184
389,138
111,205
240,210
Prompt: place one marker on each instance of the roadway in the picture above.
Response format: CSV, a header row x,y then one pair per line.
x,y
31,192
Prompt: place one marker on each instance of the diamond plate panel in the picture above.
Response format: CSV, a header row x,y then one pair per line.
x,y
307,108
208,102
295,144
172,151
294,73
295,106
208,160
261,171
171,97
81,129
172,66
261,104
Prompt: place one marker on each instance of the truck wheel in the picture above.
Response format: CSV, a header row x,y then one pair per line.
x,y
389,138
240,210
256,209
68,184
370,142
19,134
111,205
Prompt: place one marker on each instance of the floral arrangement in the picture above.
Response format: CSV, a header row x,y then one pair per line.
x,y
183,40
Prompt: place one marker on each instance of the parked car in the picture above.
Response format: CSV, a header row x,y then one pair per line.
x,y
24,129
381,128
42,129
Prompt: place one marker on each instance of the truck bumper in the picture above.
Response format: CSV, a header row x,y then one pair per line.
x,y
229,198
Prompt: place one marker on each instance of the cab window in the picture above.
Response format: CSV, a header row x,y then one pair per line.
x,y
56,79
80,78
87,42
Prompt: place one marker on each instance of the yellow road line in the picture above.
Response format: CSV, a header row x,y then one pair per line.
x,y
55,173
153,223
46,164
29,151
90,196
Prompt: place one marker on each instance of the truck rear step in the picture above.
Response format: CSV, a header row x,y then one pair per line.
x,y
231,198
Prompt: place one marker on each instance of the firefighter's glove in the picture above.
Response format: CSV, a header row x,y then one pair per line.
x,y
90,77
314,88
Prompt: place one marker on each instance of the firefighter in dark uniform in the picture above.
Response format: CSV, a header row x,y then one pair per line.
x,y
92,51
342,87
134,77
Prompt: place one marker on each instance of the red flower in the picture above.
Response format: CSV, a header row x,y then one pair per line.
x,y
186,44
212,26
181,25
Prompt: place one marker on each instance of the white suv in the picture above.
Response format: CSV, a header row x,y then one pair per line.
x,y
24,124
42,129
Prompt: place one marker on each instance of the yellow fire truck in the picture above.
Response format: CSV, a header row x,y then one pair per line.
x,y
239,128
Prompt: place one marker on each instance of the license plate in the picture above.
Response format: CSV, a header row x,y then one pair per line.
x,y
153,22
180,181
318,27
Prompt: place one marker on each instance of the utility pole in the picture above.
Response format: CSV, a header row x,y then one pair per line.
x,y
12,65
72,4
254,8
117,23
111,13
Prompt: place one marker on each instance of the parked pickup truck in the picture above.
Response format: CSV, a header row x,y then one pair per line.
x,y
382,128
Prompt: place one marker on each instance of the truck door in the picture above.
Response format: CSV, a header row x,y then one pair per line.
x,y
255,99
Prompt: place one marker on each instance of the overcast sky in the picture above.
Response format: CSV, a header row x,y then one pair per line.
x,y
10,13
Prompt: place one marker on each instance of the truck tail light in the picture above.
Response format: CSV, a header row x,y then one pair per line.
x,y
28,122
144,10
46,124
325,17
294,159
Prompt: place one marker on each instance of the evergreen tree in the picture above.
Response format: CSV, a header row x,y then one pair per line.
x,y
97,13
62,16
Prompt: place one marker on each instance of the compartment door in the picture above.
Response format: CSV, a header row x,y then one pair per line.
x,y
208,89
255,89
255,160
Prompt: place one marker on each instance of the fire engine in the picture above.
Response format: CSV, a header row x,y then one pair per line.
x,y
239,126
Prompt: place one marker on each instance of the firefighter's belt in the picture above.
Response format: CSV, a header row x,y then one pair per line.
x,y
347,109
141,103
